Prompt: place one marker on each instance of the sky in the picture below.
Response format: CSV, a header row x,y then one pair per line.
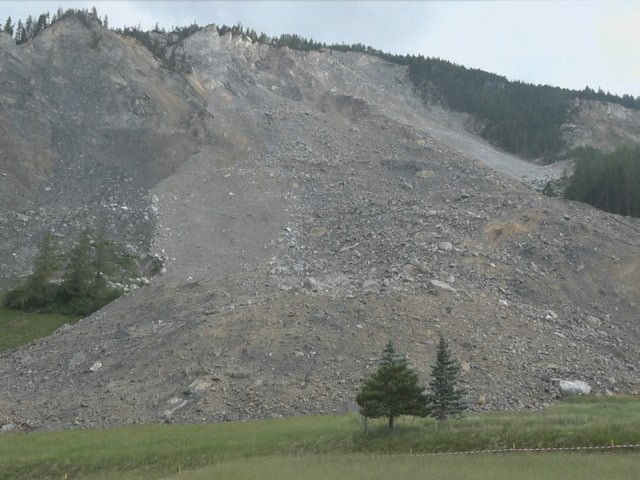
x,y
565,43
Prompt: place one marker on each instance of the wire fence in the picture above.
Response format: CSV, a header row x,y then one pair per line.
x,y
514,449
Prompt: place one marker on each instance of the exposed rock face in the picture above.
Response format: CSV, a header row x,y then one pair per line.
x,y
309,208
85,132
602,125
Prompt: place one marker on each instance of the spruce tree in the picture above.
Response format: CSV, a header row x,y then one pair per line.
x,y
41,24
86,287
445,399
28,27
8,26
21,34
37,291
392,391
79,275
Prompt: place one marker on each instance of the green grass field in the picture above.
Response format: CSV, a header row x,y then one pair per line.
x,y
485,467
336,447
19,328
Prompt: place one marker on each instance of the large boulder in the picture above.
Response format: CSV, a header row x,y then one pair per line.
x,y
573,387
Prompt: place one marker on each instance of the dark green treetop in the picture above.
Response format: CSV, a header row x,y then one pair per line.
x,y
608,181
392,390
446,398
37,291
8,26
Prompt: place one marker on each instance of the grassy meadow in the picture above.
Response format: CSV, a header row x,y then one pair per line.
x,y
484,467
19,328
336,447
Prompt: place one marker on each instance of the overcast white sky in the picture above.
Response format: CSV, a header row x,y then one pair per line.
x,y
562,43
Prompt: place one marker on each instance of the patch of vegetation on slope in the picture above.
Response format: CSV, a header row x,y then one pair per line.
x,y
18,327
518,117
95,272
608,181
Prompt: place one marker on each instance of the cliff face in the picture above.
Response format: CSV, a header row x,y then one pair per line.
x,y
89,123
309,208
602,125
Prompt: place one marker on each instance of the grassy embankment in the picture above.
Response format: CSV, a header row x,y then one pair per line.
x,y
19,328
336,447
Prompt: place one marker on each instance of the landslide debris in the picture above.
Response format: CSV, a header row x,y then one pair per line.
x,y
309,208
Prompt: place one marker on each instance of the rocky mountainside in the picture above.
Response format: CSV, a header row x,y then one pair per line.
x,y
89,123
602,125
309,208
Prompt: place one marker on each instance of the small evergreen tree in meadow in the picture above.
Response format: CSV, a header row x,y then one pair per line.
x,y
446,398
392,390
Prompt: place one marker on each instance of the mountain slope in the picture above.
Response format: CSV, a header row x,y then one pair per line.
x,y
309,208
85,141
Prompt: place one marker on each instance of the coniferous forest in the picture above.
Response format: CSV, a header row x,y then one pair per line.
x,y
608,181
517,117
79,281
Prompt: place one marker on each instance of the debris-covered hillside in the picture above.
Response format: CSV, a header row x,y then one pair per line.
x,y
309,208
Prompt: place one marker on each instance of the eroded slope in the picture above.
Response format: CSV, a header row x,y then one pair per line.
x,y
325,212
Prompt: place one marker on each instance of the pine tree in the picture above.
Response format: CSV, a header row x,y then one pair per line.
x,y
45,264
86,288
80,273
445,399
21,33
28,27
8,26
392,391
58,15
37,291
41,24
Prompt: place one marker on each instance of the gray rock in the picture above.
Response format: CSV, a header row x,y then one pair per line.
x,y
445,246
573,387
78,359
593,321
8,427
96,366
64,328
175,404
442,285
121,334
370,285
198,387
